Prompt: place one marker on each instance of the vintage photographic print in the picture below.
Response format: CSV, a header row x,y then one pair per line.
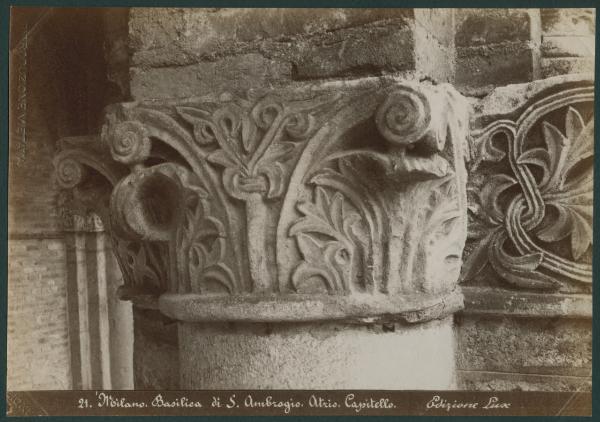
x,y
300,211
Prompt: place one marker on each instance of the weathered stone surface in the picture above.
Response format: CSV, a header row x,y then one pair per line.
x,y
563,66
299,308
161,37
156,351
497,381
435,55
568,21
492,26
500,302
568,41
480,69
505,100
495,47
178,49
568,46
317,356
439,24
198,34
524,353
536,346
342,188
308,207
235,74
374,49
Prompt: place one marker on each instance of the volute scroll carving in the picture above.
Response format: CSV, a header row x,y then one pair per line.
x,y
348,196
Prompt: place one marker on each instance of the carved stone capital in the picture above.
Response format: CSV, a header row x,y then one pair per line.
x,y
531,187
340,201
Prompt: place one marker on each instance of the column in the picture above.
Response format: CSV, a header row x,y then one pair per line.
x,y
300,237
100,325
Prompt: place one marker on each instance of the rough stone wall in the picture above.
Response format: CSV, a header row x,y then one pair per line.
x,y
496,47
57,89
507,353
178,52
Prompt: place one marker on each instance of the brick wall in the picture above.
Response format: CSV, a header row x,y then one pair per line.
x,y
38,343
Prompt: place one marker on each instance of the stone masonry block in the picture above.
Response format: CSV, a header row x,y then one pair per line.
x,y
568,21
496,47
372,49
491,26
232,74
479,69
176,52
568,46
528,346
198,33
555,66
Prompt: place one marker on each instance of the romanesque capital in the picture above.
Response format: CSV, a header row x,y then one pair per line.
x,y
345,200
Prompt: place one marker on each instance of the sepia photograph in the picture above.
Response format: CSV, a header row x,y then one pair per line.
x,y
300,211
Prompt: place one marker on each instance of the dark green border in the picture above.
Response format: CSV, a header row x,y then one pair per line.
x,y
4,40
307,3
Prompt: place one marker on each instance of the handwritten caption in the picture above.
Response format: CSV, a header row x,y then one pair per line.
x,y
224,402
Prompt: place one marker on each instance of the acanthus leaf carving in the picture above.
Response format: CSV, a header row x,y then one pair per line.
x,y
143,265
200,245
330,248
400,170
300,192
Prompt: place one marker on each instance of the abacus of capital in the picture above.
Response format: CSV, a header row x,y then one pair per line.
x,y
305,238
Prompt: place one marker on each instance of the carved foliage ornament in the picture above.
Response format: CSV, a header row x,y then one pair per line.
x,y
532,222
339,190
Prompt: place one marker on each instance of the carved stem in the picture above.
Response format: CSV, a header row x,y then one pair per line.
x,y
256,219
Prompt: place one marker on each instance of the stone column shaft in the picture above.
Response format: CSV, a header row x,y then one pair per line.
x,y
100,358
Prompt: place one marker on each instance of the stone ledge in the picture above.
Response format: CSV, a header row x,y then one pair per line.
x,y
301,308
506,100
506,381
486,301
41,235
554,66
568,46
